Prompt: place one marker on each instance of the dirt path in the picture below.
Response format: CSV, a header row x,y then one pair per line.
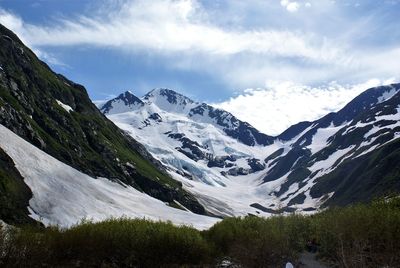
x,y
308,260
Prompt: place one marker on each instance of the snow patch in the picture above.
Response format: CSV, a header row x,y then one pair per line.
x,y
388,94
64,196
65,106
320,138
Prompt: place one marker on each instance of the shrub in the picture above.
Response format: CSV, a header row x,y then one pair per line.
x,y
259,242
361,235
356,236
114,242
133,242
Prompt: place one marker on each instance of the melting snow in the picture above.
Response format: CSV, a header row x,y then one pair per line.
x,y
64,196
320,139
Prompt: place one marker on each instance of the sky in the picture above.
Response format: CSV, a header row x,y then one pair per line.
x,y
272,63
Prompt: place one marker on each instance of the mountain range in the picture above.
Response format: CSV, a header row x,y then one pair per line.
x,y
233,169
166,156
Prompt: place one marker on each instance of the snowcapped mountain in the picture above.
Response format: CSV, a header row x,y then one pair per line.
x,y
169,100
348,156
233,169
56,115
190,132
201,146
123,103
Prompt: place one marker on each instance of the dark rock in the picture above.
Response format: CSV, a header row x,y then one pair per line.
x,y
156,117
255,164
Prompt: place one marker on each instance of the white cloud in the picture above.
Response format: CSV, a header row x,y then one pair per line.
x,y
173,26
290,6
17,25
49,58
282,104
284,3
293,7
307,48
12,22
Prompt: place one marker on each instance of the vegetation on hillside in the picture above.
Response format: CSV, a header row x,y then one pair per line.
x,y
355,236
14,193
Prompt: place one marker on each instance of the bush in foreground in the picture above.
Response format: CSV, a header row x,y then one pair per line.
x,y
355,236
260,242
360,235
114,242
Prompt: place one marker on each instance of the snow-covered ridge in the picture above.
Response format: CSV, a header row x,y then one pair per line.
x,y
169,100
123,103
64,196
172,102
232,177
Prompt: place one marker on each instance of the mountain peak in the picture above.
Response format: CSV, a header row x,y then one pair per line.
x,y
172,96
128,92
168,99
128,96
125,102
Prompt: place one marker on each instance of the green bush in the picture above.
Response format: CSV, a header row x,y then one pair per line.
x,y
114,242
260,242
355,236
133,242
361,235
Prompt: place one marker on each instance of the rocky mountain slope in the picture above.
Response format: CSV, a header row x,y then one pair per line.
x,y
233,169
338,158
56,115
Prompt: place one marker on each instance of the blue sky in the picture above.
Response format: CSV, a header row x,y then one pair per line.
x,y
270,62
